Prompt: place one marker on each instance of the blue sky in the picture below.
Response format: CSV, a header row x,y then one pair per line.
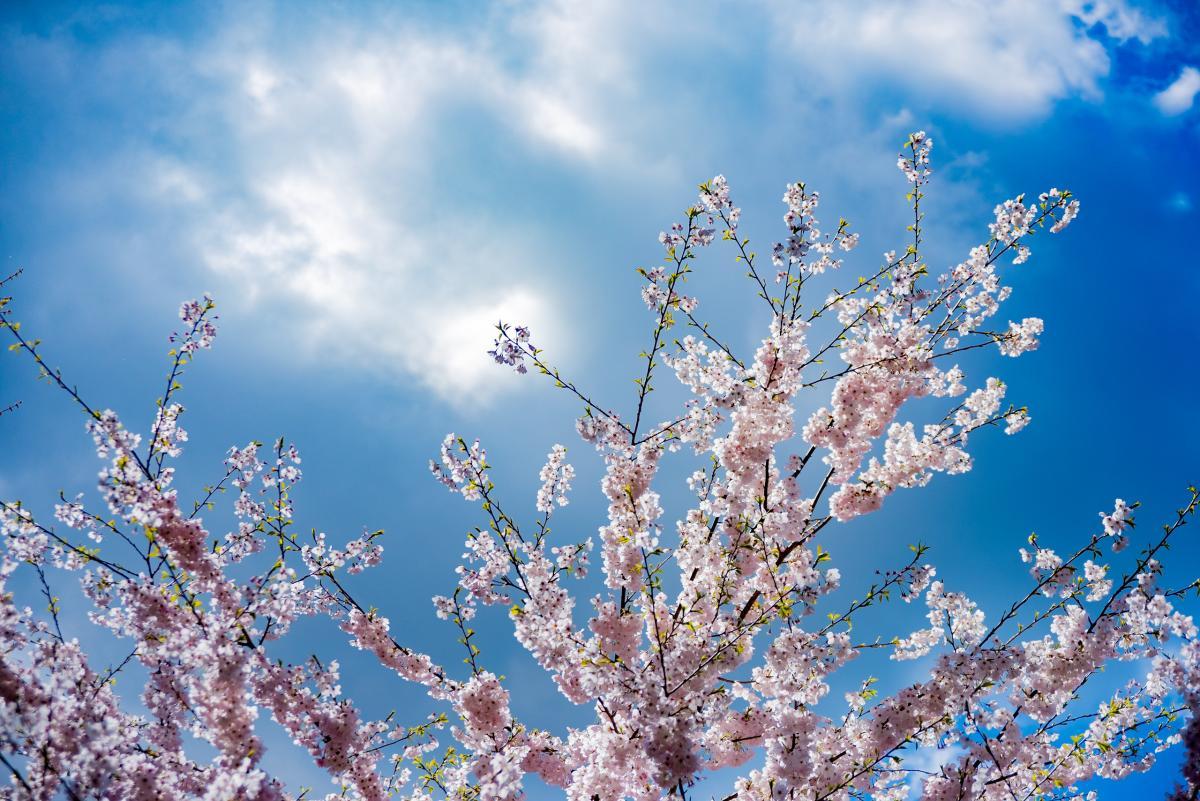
x,y
366,188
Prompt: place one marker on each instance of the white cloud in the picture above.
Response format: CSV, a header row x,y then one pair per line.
x,y
1122,21
330,208
330,202
310,171
1007,59
1179,96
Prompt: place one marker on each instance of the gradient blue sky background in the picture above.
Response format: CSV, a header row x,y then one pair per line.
x,y
365,188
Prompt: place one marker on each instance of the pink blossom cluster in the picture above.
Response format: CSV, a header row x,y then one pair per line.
x,y
556,476
713,641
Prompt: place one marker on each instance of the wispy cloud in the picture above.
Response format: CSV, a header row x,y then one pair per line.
x,y
325,176
319,194
1002,60
1179,96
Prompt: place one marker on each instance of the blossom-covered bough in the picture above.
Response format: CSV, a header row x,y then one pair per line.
x,y
701,650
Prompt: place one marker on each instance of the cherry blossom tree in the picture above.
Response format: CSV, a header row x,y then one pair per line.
x,y
711,643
